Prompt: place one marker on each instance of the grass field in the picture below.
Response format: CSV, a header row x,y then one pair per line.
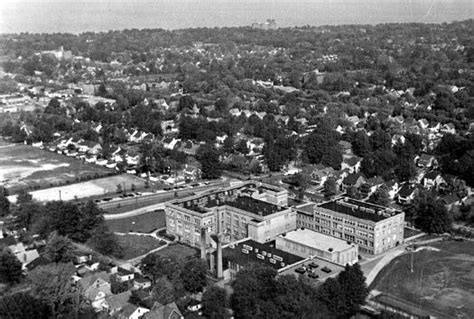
x,y
144,223
408,232
442,281
24,166
179,251
136,245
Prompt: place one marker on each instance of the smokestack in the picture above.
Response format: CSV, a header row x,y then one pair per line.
x,y
203,243
219,256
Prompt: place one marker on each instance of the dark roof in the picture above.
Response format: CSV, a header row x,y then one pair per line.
x,y
352,179
7,241
352,161
406,190
40,261
431,175
358,209
252,252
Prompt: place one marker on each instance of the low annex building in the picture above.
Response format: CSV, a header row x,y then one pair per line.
x,y
307,243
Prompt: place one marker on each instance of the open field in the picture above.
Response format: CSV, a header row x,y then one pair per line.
x,y
408,232
90,188
180,251
24,166
144,223
136,245
442,282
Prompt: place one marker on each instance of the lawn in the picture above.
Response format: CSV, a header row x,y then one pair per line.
x,y
136,245
144,223
179,251
408,232
24,166
442,281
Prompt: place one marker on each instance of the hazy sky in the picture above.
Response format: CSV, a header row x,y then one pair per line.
x,y
80,16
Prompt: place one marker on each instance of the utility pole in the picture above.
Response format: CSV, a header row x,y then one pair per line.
x,y
59,195
411,264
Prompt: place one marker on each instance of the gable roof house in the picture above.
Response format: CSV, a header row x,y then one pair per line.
x,y
321,173
371,185
95,288
432,180
353,180
406,194
423,124
159,311
130,311
352,163
114,303
426,161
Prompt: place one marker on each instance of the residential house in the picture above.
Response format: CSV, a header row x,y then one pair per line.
x,y
235,112
95,288
189,148
423,124
23,255
450,201
80,257
371,185
221,139
353,180
426,161
345,147
170,142
407,193
130,311
321,173
448,128
159,311
40,261
191,173
432,179
393,188
194,305
398,139
122,274
169,127
114,303
141,283
351,162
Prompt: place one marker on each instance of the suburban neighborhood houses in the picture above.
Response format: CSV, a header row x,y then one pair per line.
x,y
240,172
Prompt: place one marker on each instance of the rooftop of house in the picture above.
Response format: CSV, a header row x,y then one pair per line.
x,y
358,209
317,240
251,252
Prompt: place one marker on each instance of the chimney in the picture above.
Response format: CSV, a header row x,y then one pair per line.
x,y
219,257
203,243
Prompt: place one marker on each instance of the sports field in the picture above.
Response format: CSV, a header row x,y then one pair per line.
x,y
95,187
135,245
442,282
30,168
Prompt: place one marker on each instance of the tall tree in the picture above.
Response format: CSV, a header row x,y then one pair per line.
x,y
58,248
10,268
52,284
4,202
208,156
214,302
330,187
23,305
431,215
380,196
193,275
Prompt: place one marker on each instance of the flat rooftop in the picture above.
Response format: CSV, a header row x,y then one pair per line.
x,y
317,240
254,206
359,209
252,252
315,271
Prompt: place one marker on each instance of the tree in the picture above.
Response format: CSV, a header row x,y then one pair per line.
x,y
380,196
208,156
332,158
228,146
431,215
23,305
23,197
156,266
103,240
193,275
242,147
117,286
58,248
4,202
214,302
10,268
361,144
405,170
52,284
253,287
330,187
163,291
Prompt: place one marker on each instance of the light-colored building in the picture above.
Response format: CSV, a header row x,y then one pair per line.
x,y
308,243
373,228
247,210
